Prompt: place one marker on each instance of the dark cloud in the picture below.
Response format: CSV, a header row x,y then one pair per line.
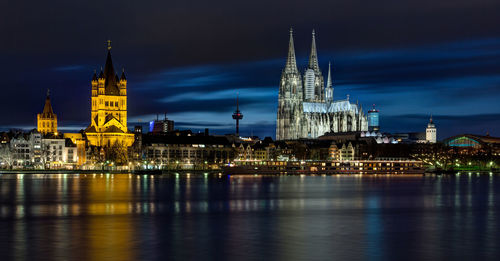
x,y
447,125
190,58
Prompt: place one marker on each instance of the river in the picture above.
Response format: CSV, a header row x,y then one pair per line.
x,y
131,217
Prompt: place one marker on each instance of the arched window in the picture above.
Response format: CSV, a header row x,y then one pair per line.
x,y
349,123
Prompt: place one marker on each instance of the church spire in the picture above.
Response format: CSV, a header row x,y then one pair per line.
x,y
328,88
47,109
110,77
109,70
313,57
329,79
291,62
123,75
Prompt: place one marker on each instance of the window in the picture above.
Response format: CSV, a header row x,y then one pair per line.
x,y
106,104
116,104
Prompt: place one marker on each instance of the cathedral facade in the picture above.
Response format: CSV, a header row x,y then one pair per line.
x,y
108,120
306,108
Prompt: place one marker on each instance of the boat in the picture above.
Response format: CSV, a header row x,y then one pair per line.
x,y
325,167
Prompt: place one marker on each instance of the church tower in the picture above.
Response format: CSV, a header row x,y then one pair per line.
x,y
313,79
430,132
108,117
290,98
47,120
329,86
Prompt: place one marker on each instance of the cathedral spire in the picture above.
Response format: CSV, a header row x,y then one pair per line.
x,y
329,79
313,57
291,62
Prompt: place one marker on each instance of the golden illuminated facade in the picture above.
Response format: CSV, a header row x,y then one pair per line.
x,y
47,120
108,122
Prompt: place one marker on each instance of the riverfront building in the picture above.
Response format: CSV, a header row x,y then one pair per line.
x,y
430,132
108,121
474,144
47,120
373,120
306,107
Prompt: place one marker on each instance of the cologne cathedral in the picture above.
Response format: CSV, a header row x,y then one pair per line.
x,y
306,108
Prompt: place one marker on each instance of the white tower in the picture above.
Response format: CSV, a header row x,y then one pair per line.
x,y
430,132
329,86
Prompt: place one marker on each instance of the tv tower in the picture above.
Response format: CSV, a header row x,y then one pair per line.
x,y
237,115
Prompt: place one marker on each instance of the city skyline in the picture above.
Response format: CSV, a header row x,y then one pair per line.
x,y
446,72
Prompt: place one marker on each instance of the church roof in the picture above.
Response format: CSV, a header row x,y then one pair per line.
x,y
123,75
110,77
48,112
109,117
91,128
113,129
48,106
337,106
431,124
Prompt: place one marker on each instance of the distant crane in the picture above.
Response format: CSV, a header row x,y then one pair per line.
x,y
237,115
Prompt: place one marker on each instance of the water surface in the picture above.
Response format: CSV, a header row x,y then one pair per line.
x,y
129,217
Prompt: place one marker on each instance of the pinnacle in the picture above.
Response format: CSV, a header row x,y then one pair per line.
x,y
313,57
291,62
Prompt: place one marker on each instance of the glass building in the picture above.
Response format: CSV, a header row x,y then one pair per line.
x,y
373,123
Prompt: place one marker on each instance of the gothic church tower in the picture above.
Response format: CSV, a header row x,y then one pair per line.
x,y
313,79
288,125
47,120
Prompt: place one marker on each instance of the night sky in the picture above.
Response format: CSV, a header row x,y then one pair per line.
x,y
190,58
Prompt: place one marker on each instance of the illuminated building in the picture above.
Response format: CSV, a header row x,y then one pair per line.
x,y
161,126
344,153
20,150
306,108
186,152
471,144
373,118
57,152
47,120
430,132
79,141
108,122
36,147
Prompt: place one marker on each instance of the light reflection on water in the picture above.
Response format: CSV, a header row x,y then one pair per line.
x,y
129,217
